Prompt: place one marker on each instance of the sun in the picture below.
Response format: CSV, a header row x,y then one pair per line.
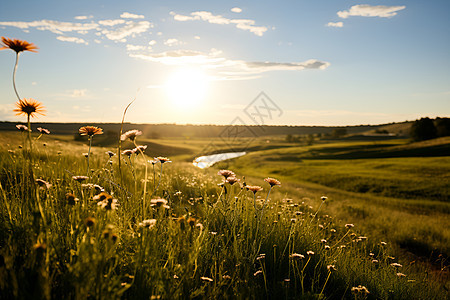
x,y
187,87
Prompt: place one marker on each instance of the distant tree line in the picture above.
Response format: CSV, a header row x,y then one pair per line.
x,y
426,128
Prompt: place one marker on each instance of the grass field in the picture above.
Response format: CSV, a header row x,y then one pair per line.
x,y
219,241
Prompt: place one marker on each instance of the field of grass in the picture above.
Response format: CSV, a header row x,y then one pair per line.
x,y
209,240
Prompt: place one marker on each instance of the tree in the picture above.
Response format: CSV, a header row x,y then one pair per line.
x,y
442,126
423,129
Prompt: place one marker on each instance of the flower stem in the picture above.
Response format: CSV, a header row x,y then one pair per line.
x,y
321,292
89,155
145,179
29,133
14,75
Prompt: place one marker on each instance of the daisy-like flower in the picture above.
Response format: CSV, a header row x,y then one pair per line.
x,y
259,272
43,184
396,265
22,127
90,130
226,173
138,149
310,252
272,181
71,199
159,202
130,134
323,198
108,203
110,153
29,107
80,178
43,130
17,45
163,160
232,180
128,152
148,223
400,275
253,188
349,226
331,268
192,221
296,256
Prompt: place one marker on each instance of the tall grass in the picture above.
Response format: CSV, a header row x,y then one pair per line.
x,y
212,242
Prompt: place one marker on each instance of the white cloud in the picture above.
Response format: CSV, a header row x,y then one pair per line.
x,y
196,37
111,22
365,10
77,93
127,15
243,24
236,10
152,43
335,24
135,47
72,39
130,29
53,26
226,69
83,17
172,42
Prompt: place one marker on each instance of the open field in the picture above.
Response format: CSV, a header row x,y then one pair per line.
x,y
219,241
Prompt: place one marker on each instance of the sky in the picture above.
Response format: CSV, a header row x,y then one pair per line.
x,y
310,62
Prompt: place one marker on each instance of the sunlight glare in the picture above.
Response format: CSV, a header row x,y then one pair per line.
x,y
187,87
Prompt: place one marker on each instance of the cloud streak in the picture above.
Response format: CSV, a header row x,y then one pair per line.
x,y
72,40
335,24
243,24
365,10
223,68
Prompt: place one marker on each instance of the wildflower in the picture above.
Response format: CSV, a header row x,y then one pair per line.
x,y
102,196
90,130
253,188
200,226
159,202
163,160
374,261
331,268
272,181
128,152
396,265
80,178
110,153
207,279
232,180
182,221
323,241
226,277
362,238
106,201
22,127
29,107
43,184
383,243
360,290
259,272
293,220
17,45
153,161
296,256
323,198
89,221
310,252
43,130
85,154
131,134
148,223
138,149
400,275
333,230
349,226
71,199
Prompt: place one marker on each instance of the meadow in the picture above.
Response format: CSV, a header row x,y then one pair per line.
x,y
196,234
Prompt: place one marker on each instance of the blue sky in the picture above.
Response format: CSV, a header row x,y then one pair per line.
x,y
203,62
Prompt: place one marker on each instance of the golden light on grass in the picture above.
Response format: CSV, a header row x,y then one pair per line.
x,y
17,45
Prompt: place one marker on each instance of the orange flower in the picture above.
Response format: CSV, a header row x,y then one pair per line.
x,y
29,107
17,45
254,188
90,130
